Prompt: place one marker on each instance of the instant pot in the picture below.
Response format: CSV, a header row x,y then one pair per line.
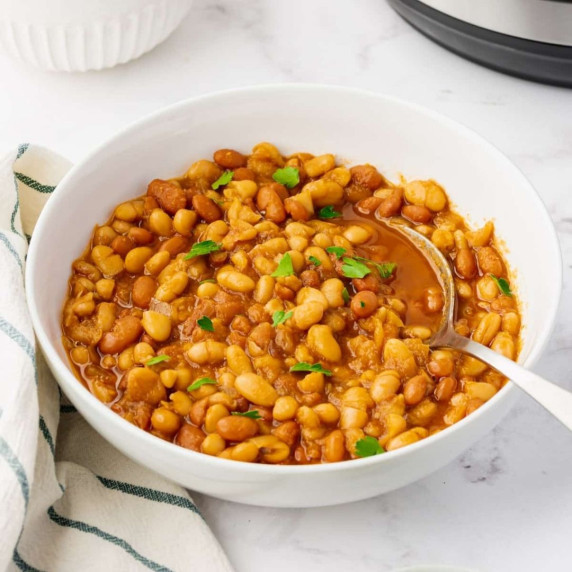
x,y
527,38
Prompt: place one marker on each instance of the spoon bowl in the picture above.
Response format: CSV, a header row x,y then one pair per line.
x,y
553,398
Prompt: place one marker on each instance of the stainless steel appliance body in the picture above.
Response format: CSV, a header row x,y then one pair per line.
x,y
527,38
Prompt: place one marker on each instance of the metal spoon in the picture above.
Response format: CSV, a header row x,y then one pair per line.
x,y
553,398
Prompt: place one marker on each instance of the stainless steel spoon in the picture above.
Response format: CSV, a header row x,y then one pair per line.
x,y
553,398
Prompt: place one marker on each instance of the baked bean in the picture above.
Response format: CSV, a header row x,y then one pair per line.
x,y
170,197
256,389
364,304
465,264
144,288
190,437
160,223
267,200
158,326
445,388
136,259
489,261
140,236
122,245
391,205
174,245
414,389
416,213
236,428
206,208
165,420
229,158
124,332
243,174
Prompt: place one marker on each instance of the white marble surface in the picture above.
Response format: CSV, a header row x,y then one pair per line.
x,y
506,504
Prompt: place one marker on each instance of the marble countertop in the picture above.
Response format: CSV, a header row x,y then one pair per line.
x,y
506,504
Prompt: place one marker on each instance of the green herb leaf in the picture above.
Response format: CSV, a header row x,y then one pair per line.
x,y
207,281
368,447
314,260
200,383
224,179
328,212
385,269
353,268
362,304
206,324
250,414
280,317
503,285
346,295
315,367
337,250
289,176
285,267
157,359
202,248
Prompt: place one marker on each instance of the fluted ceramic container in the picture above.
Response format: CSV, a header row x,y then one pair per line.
x,y
81,35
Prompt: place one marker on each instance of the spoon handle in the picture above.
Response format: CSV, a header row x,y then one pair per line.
x,y
553,398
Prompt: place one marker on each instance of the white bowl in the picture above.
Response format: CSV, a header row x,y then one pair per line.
x,y
70,35
360,127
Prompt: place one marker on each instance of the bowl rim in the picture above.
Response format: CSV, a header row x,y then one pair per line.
x,y
71,385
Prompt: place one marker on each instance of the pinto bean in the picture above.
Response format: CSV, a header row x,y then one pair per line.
x,y
489,261
465,264
390,205
364,304
236,428
243,174
416,213
175,245
144,288
229,158
269,201
190,437
206,208
170,197
367,176
123,333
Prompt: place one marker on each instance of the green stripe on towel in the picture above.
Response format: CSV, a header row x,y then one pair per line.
x,y
22,564
13,252
33,184
90,529
14,463
47,436
149,494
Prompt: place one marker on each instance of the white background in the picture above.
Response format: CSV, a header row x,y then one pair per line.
x,y
506,504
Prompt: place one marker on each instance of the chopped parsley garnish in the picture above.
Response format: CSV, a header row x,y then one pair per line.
x,y
280,317
368,447
157,359
346,295
289,177
250,414
206,324
285,267
337,250
202,248
503,285
362,304
329,212
200,383
224,179
353,268
385,269
314,367
314,260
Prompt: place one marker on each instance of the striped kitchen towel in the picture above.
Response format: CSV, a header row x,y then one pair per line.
x,y
68,500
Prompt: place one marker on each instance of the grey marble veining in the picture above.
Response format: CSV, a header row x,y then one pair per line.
x,y
506,503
